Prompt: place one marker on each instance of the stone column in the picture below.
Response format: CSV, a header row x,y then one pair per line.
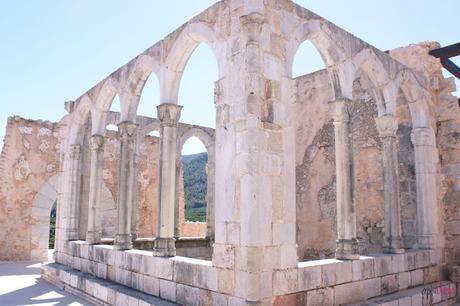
x,y
135,195
177,217
210,169
169,115
93,234
74,185
347,244
387,127
426,158
127,135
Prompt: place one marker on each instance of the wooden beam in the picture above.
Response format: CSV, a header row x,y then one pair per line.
x,y
446,52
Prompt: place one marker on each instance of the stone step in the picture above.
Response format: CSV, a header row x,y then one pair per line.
x,y
439,293
96,290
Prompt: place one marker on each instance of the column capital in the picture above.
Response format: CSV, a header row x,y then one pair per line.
x,y
387,126
127,129
96,142
340,109
169,113
75,152
423,136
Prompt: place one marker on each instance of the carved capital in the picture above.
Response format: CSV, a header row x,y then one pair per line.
x,y
169,114
387,126
96,142
339,109
423,136
127,130
75,152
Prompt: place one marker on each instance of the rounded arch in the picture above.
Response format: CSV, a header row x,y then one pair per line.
x,y
183,47
78,120
321,37
367,62
40,218
203,135
415,94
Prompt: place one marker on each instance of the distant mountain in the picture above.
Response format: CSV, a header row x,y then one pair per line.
x,y
195,185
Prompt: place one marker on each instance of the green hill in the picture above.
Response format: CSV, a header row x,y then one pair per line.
x,y
195,185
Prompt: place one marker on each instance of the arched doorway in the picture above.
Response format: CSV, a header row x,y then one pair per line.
x,y
42,206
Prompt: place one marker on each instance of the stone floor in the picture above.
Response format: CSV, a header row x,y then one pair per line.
x,y
20,284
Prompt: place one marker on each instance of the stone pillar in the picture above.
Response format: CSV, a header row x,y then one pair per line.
x,y
74,185
169,115
210,169
177,217
135,201
127,136
93,234
387,127
426,158
347,244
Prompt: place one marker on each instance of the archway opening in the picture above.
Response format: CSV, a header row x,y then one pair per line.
x,y
194,180
196,91
315,156
307,60
150,97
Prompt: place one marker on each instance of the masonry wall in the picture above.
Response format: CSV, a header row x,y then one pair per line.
x,y
315,163
29,159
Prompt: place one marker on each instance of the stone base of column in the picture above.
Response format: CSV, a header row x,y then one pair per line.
x,y
430,241
347,249
93,237
394,246
164,247
133,236
123,242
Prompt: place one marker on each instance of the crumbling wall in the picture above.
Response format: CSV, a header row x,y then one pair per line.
x,y
29,159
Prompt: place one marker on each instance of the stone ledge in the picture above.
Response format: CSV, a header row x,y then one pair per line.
x,y
95,290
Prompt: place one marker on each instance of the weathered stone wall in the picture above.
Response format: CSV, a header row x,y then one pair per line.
x,y
29,167
316,200
445,112
29,159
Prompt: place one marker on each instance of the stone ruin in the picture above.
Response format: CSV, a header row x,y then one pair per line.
x,y
336,187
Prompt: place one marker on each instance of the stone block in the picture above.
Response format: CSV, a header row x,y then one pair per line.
x,y
223,256
284,233
187,295
309,277
168,290
382,265
398,263
432,274
407,300
111,295
435,256
389,284
416,278
363,268
323,296
226,281
151,285
111,273
211,278
349,293
101,270
417,299
291,299
122,299
100,292
285,281
422,259
287,256
123,277
164,268
336,272
410,260
373,287
137,281
185,272
404,280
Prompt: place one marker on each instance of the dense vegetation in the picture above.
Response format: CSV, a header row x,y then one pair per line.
x,y
195,184
52,227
